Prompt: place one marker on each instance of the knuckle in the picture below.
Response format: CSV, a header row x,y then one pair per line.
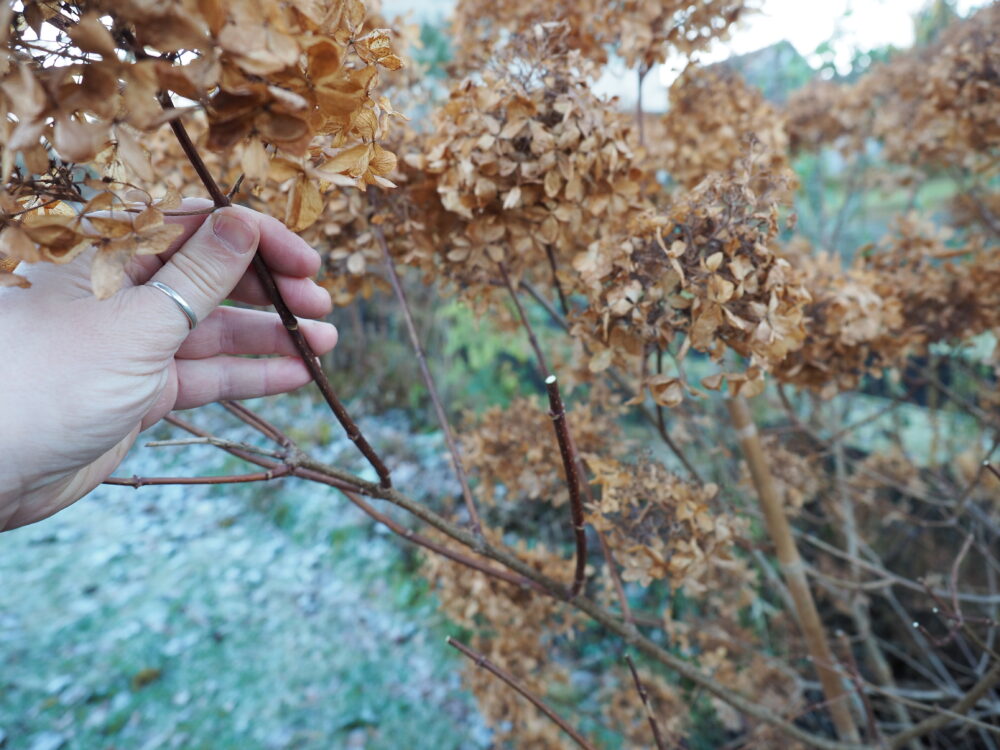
x,y
205,274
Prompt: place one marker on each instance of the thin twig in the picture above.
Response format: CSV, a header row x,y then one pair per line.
x,y
255,420
217,442
505,556
422,541
557,318
262,476
937,721
289,320
657,738
252,458
616,579
418,348
482,661
855,676
555,279
524,320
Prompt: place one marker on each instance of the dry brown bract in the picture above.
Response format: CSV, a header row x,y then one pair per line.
x,y
642,32
894,301
706,269
713,121
936,106
85,83
527,159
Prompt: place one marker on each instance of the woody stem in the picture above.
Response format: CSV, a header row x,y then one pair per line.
x,y
288,320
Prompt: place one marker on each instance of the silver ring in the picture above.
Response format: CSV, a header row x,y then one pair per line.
x,y
181,302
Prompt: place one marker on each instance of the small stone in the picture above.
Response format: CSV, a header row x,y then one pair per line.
x,y
57,684
48,741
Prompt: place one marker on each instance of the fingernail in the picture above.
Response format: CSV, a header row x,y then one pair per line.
x,y
234,232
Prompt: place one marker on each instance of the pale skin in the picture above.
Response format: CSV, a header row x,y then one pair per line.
x,y
80,378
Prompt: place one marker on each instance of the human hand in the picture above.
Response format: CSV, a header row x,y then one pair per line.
x,y
81,377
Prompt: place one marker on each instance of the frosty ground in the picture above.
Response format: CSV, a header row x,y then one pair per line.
x,y
264,616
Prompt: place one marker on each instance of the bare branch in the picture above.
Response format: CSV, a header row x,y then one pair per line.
x,y
937,721
483,662
289,320
418,348
262,476
657,738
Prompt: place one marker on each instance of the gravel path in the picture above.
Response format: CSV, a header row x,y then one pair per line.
x,y
264,616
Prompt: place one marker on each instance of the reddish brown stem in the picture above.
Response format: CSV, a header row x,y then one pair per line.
x,y
289,320
992,469
657,737
258,460
418,348
558,413
440,549
256,421
483,662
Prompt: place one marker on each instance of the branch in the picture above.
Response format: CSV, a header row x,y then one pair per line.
x,y
793,570
263,476
482,661
333,477
258,422
558,414
287,318
217,442
524,320
616,580
422,541
645,704
411,328
937,721
555,279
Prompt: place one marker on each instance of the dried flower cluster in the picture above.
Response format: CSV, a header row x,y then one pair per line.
x,y
658,526
715,119
297,78
527,161
642,32
706,268
938,106
892,302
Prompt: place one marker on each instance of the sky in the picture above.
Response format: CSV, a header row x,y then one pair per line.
x,y
858,24
854,24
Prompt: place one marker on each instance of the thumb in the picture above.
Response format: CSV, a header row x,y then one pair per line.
x,y
205,269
